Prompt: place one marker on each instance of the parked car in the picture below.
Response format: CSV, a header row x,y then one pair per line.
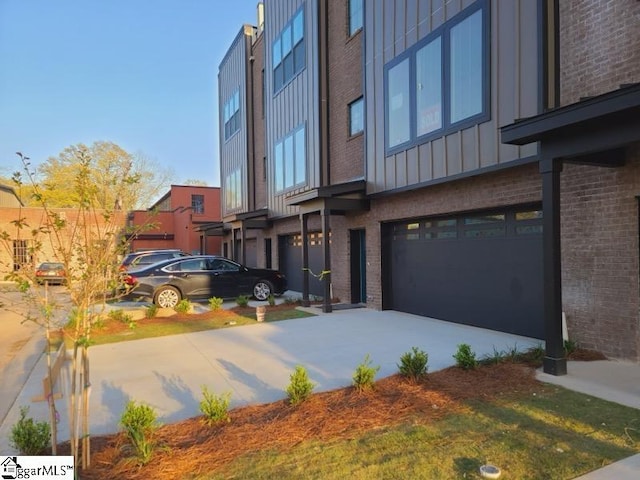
x,y
148,257
201,277
51,273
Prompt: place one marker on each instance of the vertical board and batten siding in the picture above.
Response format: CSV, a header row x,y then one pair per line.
x,y
232,75
296,103
393,26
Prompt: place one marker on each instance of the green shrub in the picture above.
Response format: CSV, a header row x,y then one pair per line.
x,y
465,357
215,408
242,300
300,387
119,315
140,423
215,303
151,311
290,300
569,347
271,300
183,306
28,436
365,374
413,364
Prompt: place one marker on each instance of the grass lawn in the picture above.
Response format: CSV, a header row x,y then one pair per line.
x,y
121,327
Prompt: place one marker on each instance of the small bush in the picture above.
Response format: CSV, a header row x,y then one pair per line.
x,y
300,387
413,364
242,300
465,357
569,347
215,303
271,300
151,311
290,301
120,316
365,374
140,423
183,306
215,408
28,436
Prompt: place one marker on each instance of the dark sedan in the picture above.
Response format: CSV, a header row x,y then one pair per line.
x,y
200,278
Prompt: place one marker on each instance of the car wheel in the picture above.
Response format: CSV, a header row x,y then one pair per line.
x,y
262,290
167,297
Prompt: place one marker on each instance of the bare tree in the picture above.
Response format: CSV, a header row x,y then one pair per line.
x,y
89,240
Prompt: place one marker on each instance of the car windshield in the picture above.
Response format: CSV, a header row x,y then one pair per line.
x,y
51,266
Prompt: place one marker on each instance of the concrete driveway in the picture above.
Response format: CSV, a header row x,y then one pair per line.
x,y
253,362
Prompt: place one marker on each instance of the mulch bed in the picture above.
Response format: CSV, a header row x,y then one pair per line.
x,y
191,447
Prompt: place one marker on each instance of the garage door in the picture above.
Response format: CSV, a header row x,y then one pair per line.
x,y
482,269
291,262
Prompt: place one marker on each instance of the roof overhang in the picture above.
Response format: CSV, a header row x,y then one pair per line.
x,y
257,219
338,199
582,131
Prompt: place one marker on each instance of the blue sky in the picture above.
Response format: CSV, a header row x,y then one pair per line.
x,y
139,73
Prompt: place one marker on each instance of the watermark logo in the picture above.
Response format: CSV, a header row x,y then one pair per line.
x,y
37,467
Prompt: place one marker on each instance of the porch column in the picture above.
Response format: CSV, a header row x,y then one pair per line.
x,y
304,233
243,244
326,250
554,361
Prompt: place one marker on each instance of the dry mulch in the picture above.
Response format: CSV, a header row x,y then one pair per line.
x,y
193,447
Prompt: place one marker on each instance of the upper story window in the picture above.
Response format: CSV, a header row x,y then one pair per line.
x,y
290,162
233,190
288,51
441,84
355,16
356,117
231,114
197,204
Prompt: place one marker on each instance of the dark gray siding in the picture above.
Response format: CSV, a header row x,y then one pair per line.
x,y
297,102
232,75
392,26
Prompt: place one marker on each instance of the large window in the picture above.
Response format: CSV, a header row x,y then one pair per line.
x,y
441,84
356,117
233,190
288,51
231,114
197,204
355,16
290,162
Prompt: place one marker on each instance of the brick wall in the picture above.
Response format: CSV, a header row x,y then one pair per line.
x,y
345,86
600,46
258,126
600,256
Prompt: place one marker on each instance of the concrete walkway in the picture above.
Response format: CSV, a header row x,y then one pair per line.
x,y
254,363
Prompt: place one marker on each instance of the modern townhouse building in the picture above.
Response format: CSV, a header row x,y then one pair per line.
x,y
472,161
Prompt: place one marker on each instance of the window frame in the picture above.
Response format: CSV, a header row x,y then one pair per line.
x,y
447,127
231,114
280,161
357,101
294,60
197,207
351,31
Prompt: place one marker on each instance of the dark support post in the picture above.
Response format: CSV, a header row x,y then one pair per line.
x,y
554,361
243,244
234,249
326,247
304,233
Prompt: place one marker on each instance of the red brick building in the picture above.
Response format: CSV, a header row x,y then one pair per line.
x,y
178,220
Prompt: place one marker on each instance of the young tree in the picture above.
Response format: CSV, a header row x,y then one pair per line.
x,y
88,239
109,163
